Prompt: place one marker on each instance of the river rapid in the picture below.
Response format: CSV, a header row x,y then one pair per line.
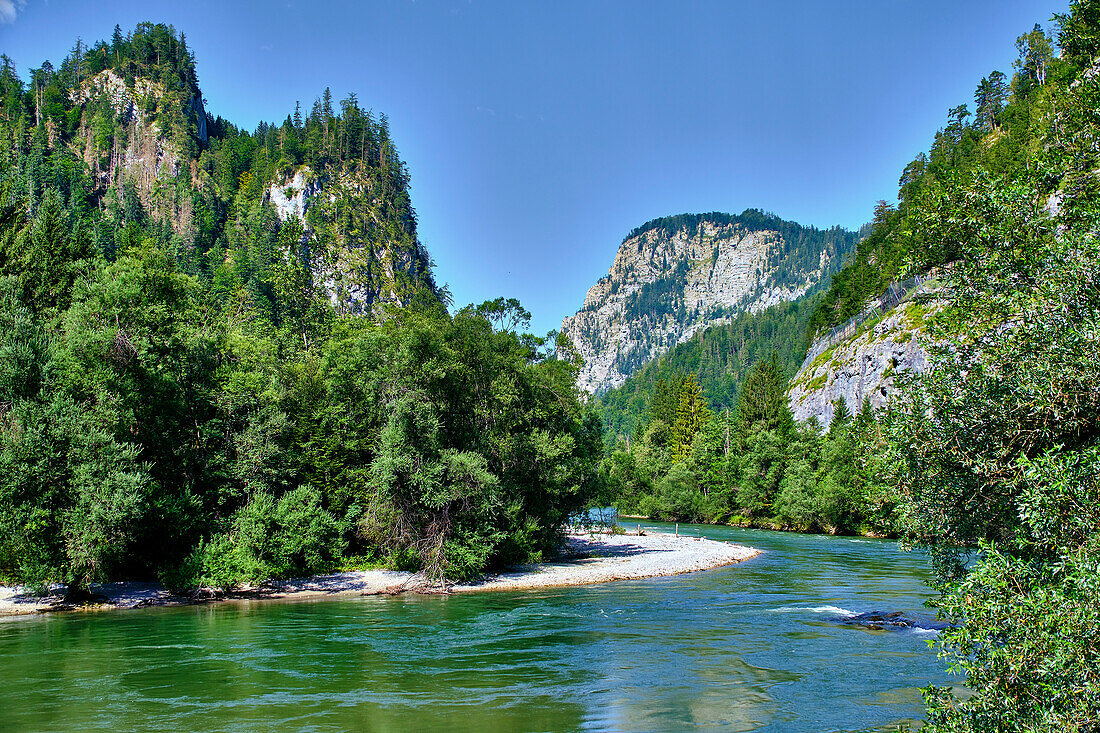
x,y
751,647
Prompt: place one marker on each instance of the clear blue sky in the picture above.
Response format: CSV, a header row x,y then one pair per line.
x,y
539,134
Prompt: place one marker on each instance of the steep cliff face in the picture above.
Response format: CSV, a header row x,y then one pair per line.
x,y
275,219
136,133
672,277
866,364
358,253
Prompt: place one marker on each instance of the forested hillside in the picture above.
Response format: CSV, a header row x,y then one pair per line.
x,y
719,357
223,356
995,138
675,276
120,135
989,458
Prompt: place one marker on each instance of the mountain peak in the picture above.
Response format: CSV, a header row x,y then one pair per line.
x,y
675,275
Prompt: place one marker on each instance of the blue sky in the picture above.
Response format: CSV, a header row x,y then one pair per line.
x,y
539,134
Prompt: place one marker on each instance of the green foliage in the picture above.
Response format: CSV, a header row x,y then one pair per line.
x,y
752,464
266,539
677,497
993,454
691,415
720,358
194,388
482,451
999,445
1029,648
762,404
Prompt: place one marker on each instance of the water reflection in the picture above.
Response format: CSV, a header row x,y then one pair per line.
x,y
745,648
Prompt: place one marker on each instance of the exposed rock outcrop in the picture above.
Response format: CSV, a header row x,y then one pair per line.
x,y
293,194
864,366
143,152
361,264
894,621
673,277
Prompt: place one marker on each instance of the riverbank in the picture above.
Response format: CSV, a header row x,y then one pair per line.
x,y
772,526
586,559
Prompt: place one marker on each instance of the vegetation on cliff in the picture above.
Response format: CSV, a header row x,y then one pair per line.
x,y
989,459
181,394
998,138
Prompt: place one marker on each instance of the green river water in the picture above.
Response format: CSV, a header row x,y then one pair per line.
x,y
752,647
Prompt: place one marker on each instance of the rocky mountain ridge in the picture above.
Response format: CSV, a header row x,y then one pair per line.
x,y
675,276
150,146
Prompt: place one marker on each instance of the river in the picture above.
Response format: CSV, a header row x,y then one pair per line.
x,y
751,647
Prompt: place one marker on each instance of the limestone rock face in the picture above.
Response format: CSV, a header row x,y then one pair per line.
x,y
294,193
863,366
143,153
358,267
668,282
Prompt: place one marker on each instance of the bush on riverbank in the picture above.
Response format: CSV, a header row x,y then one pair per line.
x,y
753,466
266,539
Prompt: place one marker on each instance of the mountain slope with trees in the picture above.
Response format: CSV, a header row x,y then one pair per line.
x,y
200,387
677,275
720,357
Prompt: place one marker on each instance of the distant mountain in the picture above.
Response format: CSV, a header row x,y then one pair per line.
x,y
676,275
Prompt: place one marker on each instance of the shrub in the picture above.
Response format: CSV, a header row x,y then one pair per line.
x,y
267,539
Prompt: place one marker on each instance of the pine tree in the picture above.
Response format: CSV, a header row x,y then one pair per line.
x,y
692,415
989,100
841,415
762,404
660,407
116,44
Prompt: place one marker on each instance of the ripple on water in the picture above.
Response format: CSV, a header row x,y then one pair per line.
x,y
748,647
834,610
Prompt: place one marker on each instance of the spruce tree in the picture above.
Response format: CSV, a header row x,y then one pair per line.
x,y
762,404
692,415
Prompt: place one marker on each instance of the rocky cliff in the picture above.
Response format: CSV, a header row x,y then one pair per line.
x,y
147,143
674,276
865,364
360,254
139,133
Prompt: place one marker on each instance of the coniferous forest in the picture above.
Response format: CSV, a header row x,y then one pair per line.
x,y
225,359
198,390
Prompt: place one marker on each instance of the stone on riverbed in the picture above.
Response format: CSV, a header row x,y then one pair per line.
x,y
893,621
